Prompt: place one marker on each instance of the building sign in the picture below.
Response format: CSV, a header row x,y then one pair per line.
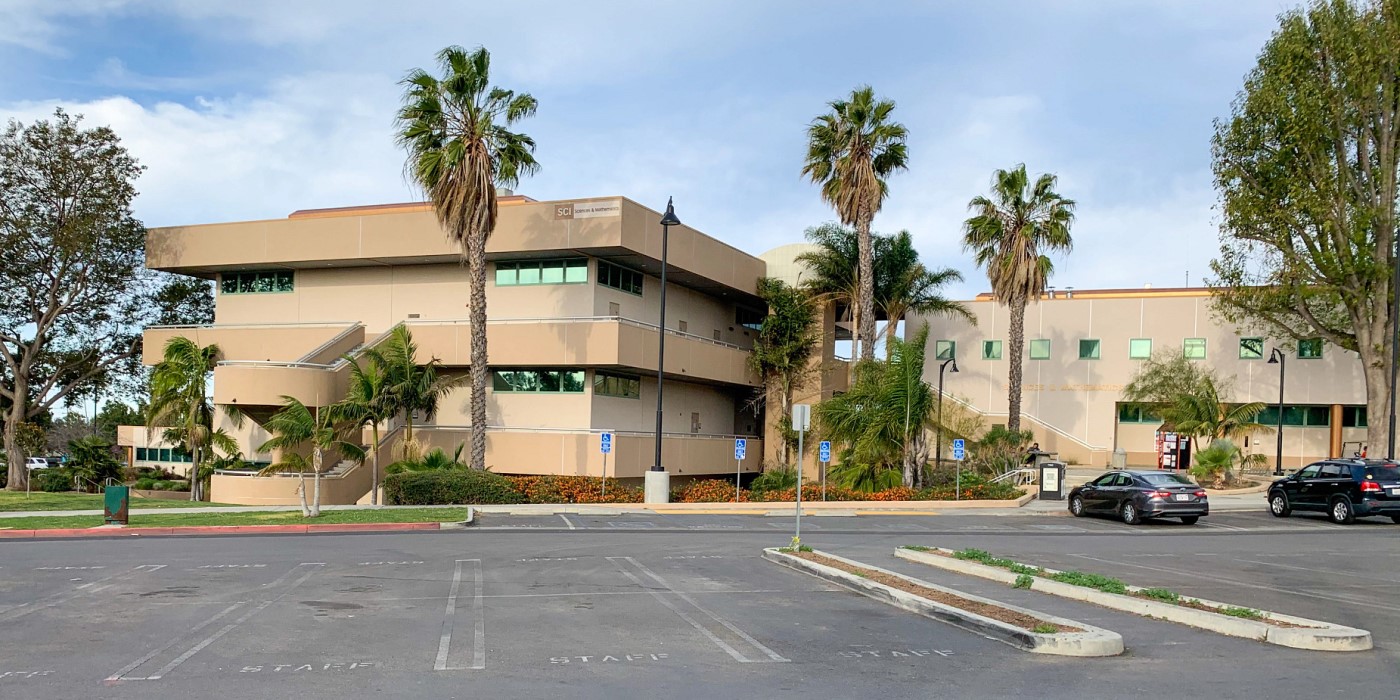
x,y
588,210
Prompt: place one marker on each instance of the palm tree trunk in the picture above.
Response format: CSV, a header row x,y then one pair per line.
x,y
316,458
865,304
194,473
301,491
786,416
476,273
1016,341
374,466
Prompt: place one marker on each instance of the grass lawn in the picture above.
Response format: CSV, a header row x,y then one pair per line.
x,y
329,517
13,501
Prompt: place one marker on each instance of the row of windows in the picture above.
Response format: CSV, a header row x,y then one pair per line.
x,y
262,282
1293,416
162,454
538,381
619,385
567,271
610,275
1138,349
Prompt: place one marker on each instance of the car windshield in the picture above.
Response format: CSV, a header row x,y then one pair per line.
x,y
1165,479
1383,473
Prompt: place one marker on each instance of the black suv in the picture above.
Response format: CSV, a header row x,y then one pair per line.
x,y
1344,489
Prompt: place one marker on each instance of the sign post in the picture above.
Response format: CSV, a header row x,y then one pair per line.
x,y
605,446
801,421
959,452
741,447
824,454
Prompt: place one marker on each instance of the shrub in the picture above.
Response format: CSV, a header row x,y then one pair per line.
x,y
1246,613
146,484
449,487
1023,581
1095,581
572,489
51,480
709,491
1162,594
774,479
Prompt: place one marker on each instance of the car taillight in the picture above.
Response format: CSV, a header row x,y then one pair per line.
x,y
1371,486
1200,494
1158,494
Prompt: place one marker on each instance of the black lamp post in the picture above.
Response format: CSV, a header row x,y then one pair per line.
x,y
938,450
1277,358
667,221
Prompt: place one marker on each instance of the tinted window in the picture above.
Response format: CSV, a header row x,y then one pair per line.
x,y
1166,479
1377,473
1123,480
1310,471
1105,480
1335,471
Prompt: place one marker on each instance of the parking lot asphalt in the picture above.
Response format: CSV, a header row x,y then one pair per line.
x,y
676,606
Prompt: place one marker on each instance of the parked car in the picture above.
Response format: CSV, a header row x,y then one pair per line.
x,y
32,463
1135,496
1344,489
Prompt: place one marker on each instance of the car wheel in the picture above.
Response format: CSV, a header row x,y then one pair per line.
x,y
1278,505
1190,519
1341,512
1076,506
1130,514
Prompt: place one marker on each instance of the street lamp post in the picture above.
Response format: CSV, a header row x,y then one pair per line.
x,y
1277,358
938,450
667,221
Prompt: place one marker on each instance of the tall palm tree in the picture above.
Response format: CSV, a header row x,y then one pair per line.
x,y
367,403
832,266
850,152
903,286
455,130
180,403
295,425
408,388
1009,234
1202,413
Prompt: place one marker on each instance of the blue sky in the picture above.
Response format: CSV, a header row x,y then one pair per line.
x,y
253,109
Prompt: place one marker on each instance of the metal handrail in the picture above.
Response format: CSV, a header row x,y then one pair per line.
x,y
328,474
222,326
968,405
586,431
578,319
334,339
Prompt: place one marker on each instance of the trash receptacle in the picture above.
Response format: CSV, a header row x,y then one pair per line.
x,y
115,502
1120,458
1052,481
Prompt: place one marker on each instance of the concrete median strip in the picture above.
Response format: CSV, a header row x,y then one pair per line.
x,y
1274,628
1086,640
194,530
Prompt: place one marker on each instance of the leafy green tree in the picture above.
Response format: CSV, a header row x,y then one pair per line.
x,y
368,403
295,426
1306,167
408,388
460,148
1009,234
884,418
1190,398
91,459
185,301
1216,462
180,403
782,354
851,150
117,413
72,296
903,286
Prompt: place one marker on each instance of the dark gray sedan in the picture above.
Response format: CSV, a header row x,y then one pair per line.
x,y
1135,496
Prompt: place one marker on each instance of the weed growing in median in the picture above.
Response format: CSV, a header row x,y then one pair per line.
x,y
1246,613
798,548
1045,628
1023,581
1095,581
983,557
1162,594
916,547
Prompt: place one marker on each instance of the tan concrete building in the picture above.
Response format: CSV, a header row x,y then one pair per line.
x,y
573,299
1083,346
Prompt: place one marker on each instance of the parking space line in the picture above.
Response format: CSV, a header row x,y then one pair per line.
x,y
449,619
710,634
84,589
120,674
204,643
567,521
1329,572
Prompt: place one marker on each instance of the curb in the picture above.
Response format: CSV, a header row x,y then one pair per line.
x,y
1315,635
1093,641
201,530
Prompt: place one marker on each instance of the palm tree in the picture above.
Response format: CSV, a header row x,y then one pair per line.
x,y
782,352
832,266
180,403
409,388
850,152
903,285
295,425
1009,234
367,402
459,150
1201,413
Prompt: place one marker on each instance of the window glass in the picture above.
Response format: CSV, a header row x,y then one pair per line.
x,y
165,454
1140,348
1131,413
618,385
1251,348
529,273
1088,349
1335,471
538,381
1353,416
576,271
991,349
552,272
260,282
1122,480
505,274
748,318
1310,348
1310,471
1040,349
1105,480
1166,479
1194,348
610,275
140,454
945,349
1380,473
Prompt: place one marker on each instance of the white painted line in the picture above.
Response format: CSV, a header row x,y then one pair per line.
x,y
567,521
479,621
772,656
120,675
65,596
1327,572
182,658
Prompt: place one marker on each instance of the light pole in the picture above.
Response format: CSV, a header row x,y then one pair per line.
x,y
667,221
1394,347
1277,358
938,450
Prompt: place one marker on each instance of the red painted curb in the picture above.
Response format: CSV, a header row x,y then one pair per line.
x,y
215,530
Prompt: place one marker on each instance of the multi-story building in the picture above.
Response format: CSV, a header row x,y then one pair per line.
x,y
573,300
1083,346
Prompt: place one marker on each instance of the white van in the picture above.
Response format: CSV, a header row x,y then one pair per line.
x,y
36,463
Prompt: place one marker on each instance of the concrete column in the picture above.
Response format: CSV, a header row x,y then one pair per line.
x,y
658,487
1334,439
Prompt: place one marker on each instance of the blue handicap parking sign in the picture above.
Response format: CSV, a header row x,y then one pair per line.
x,y
959,449
741,447
824,451
606,445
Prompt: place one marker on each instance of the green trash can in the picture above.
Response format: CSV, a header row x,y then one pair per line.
x,y
116,500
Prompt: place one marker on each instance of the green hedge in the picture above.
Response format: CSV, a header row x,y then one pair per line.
x,y
449,487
